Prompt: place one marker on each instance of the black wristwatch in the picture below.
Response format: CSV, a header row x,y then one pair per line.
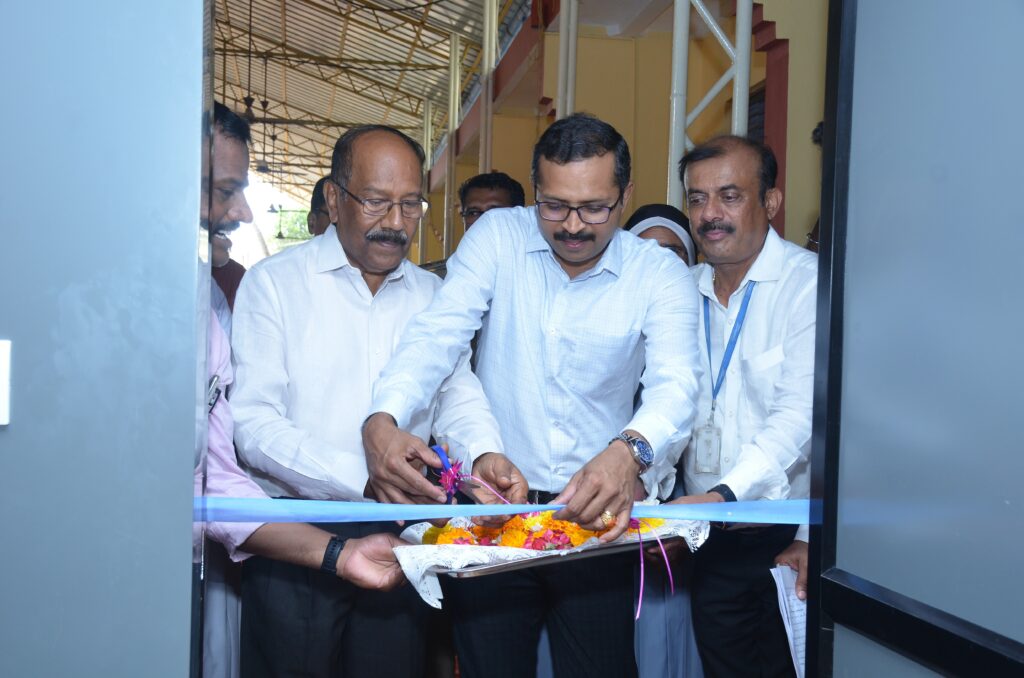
x,y
642,452
334,548
725,491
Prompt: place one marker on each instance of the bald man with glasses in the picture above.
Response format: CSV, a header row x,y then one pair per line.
x,y
313,327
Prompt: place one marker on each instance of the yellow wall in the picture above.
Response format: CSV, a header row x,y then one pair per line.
x,y
626,81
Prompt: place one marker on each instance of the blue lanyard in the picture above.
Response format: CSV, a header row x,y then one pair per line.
x,y
716,386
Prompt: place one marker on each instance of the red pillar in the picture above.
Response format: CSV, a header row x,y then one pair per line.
x,y
776,97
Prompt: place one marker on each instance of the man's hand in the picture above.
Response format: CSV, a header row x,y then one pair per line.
x,y
370,562
606,483
501,474
675,547
395,460
795,556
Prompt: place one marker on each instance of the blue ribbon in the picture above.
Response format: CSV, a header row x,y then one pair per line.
x,y
231,510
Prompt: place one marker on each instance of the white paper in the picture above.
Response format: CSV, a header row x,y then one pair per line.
x,y
422,563
794,614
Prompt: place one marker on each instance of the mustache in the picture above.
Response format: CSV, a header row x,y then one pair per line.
x,y
709,226
388,235
562,236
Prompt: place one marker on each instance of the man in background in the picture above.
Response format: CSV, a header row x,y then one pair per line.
x,y
319,218
486,192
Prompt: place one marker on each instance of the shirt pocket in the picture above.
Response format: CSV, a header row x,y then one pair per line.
x,y
761,373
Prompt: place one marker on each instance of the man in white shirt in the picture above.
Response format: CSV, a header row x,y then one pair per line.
x,y
752,436
313,327
575,307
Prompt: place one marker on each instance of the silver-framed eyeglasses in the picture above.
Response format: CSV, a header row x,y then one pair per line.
x,y
588,214
379,207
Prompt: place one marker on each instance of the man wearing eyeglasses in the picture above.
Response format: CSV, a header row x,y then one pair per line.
x,y
313,327
486,192
575,307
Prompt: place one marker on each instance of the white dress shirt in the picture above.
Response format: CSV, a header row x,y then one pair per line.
x,y
764,407
309,341
560,359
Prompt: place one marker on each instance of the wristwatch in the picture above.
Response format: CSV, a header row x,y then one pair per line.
x,y
642,452
334,548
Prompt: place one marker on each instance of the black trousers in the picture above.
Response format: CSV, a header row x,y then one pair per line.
x,y
302,622
735,605
587,606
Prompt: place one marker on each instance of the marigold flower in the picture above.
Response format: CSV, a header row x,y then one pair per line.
x,y
456,535
431,535
514,538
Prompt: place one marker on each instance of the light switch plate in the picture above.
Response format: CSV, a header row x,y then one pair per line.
x,y
5,382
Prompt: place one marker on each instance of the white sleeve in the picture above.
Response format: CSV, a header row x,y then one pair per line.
x,y
267,440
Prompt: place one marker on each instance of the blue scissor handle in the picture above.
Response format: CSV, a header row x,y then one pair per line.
x,y
443,455
439,451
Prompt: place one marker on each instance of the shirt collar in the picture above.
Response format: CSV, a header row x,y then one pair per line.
x,y
536,242
331,257
611,259
767,267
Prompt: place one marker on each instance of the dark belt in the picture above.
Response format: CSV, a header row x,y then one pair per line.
x,y
540,497
743,528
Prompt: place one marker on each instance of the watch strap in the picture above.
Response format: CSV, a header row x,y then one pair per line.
x,y
725,491
334,548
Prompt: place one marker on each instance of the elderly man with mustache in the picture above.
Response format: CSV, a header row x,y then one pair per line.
x,y
313,327
752,436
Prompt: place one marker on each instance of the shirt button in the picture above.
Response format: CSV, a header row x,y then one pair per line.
x,y
727,460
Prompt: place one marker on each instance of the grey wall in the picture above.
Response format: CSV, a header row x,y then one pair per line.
x,y
932,447
98,270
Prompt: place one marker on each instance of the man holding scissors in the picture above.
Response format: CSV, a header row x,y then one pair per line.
x,y
575,314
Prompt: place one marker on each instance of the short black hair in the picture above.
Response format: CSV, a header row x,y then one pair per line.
x,y
341,160
230,124
494,181
578,137
719,146
317,200
818,133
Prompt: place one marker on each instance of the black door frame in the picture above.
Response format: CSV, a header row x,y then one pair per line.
x,y
938,640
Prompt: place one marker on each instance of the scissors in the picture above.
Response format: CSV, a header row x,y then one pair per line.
x,y
465,483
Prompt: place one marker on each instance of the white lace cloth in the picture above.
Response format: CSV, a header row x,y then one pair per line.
x,y
422,563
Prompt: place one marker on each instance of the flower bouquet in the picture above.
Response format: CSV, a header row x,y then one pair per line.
x,y
462,548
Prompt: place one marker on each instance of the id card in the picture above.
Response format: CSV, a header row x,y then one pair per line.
x,y
708,449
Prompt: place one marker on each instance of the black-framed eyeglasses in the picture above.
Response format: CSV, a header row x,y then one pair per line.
x,y
588,214
379,207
